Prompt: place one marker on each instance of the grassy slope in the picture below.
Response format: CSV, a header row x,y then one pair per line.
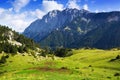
x,y
75,67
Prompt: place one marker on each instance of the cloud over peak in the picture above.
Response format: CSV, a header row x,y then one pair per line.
x,y
85,7
18,20
73,4
51,5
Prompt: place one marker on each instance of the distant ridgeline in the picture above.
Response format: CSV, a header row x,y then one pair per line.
x,y
73,28
13,42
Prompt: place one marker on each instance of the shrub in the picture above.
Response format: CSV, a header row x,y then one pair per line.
x,y
3,59
90,66
117,74
76,67
7,56
63,52
43,53
118,57
64,68
33,54
20,49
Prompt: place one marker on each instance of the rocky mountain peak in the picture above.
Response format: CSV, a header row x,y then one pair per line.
x,y
65,28
51,14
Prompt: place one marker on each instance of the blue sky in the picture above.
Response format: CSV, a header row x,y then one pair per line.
x,y
18,14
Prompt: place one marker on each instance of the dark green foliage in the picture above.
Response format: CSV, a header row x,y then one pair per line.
x,y
117,58
63,52
60,52
25,49
64,68
21,49
0,49
117,74
3,59
43,53
3,29
7,56
13,49
26,41
33,54
47,51
90,66
8,47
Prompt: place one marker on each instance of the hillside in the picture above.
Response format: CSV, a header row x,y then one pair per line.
x,y
13,42
104,37
72,28
84,64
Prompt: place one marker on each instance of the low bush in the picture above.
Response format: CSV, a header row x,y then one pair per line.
x,y
3,59
117,74
117,58
63,52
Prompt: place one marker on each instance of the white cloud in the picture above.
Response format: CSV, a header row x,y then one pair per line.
x,y
103,10
1,10
20,20
17,25
17,21
96,11
18,4
37,13
51,5
85,7
73,4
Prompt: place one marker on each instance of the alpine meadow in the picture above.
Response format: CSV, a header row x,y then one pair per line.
x,y
60,40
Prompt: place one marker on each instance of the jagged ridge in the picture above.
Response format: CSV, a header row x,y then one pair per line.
x,y
75,28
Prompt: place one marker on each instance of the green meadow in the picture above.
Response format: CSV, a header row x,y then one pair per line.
x,y
84,64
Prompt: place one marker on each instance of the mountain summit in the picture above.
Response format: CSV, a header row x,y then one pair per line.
x,y
55,19
76,28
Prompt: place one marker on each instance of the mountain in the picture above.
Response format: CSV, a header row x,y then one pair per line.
x,y
13,42
74,28
105,37
55,19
